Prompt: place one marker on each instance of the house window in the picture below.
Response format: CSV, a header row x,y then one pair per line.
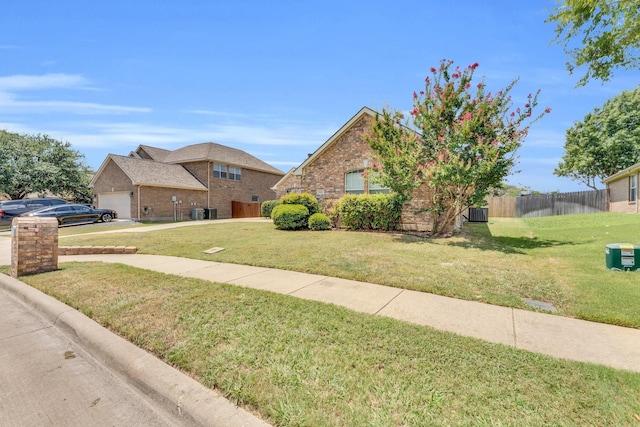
x,y
354,182
255,198
235,173
633,185
375,188
219,171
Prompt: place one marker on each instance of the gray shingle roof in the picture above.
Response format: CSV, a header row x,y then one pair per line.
x,y
210,151
152,173
157,154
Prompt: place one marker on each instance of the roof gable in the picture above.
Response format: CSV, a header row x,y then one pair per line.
x,y
152,173
335,137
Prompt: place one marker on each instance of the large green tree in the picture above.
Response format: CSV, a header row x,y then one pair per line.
x,y
605,142
42,165
459,141
599,34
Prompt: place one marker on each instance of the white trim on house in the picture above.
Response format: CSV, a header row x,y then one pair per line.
x,y
631,170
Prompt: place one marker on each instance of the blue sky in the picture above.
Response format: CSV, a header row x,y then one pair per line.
x,y
275,78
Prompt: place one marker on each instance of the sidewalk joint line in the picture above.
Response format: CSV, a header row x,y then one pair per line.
x,y
513,325
307,285
390,301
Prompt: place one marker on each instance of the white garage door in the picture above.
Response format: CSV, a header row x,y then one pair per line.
x,y
119,202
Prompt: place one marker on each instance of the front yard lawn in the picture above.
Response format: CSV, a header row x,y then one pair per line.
x,y
559,260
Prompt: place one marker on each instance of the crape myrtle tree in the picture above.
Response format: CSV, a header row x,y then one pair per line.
x,y
606,141
42,165
599,34
459,140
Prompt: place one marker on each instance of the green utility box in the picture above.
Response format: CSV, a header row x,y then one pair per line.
x,y
622,256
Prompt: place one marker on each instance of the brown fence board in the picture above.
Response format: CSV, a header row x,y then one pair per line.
x,y
578,202
245,210
502,207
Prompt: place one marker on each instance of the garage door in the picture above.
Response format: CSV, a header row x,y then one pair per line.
x,y
119,202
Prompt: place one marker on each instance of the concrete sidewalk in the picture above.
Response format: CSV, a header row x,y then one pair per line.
x,y
548,334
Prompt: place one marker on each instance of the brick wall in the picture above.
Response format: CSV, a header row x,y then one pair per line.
x,y
619,197
348,153
156,203
291,183
253,184
34,245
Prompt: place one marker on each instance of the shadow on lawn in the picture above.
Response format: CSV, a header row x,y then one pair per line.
x,y
478,236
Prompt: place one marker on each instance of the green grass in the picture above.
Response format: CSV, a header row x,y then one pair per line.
x,y
303,363
559,260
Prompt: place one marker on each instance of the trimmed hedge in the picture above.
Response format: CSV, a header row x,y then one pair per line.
x,y
370,211
304,199
290,217
267,206
319,221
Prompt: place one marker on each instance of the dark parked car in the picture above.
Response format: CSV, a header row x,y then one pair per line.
x,y
74,214
11,208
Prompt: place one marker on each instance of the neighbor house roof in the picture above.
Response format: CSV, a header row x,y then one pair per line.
x,y
210,151
153,174
631,170
155,153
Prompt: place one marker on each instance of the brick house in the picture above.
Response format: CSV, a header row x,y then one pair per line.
x,y
623,190
154,184
336,168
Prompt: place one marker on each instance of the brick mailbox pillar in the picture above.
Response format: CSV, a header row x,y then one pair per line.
x,y
34,245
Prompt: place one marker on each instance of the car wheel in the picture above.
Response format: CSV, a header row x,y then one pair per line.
x,y
106,217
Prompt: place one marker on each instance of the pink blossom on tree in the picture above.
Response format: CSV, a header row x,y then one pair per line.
x,y
465,146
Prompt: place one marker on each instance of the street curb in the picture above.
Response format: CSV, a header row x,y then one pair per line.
x,y
182,396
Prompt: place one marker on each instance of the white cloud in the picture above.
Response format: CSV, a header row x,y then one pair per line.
x,y
10,103
18,82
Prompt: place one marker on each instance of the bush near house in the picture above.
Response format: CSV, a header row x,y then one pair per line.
x,y
330,209
319,221
304,199
290,217
370,212
267,206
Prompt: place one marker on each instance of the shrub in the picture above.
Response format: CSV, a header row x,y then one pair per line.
x,y
304,199
370,212
319,221
290,217
330,209
267,206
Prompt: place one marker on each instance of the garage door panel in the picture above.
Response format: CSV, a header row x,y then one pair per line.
x,y
119,202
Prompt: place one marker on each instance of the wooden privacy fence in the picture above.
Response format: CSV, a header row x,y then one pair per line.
x,y
577,202
245,210
502,207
